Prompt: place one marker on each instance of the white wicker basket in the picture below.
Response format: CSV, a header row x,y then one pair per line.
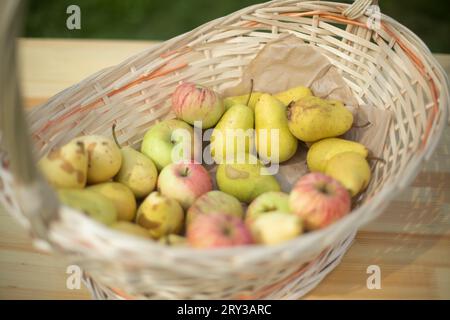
x,y
387,67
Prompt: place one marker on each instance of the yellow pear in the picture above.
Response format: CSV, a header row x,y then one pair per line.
x,y
104,158
138,172
160,215
234,100
92,203
233,133
293,94
66,167
351,169
312,118
121,196
245,180
131,228
271,122
321,151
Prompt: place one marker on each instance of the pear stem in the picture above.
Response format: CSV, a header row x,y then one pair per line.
x,y
251,92
376,159
362,125
114,136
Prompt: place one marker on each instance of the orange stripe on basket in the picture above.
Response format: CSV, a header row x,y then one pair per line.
x,y
154,74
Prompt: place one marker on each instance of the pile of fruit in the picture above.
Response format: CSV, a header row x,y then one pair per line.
x,y
164,193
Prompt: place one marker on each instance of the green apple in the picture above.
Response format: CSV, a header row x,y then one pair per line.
x,y
169,141
276,227
267,202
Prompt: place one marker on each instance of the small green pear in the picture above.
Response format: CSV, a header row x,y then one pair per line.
x,y
234,100
121,196
66,167
321,151
351,169
233,134
245,180
131,228
311,118
274,141
104,158
293,94
92,203
160,215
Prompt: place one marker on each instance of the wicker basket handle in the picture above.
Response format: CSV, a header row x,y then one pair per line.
x,y
36,199
358,8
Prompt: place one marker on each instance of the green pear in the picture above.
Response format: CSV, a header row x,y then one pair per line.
x,y
212,202
104,158
234,100
312,118
92,203
293,94
267,202
351,169
131,228
233,134
245,180
138,172
321,151
167,139
271,122
160,215
121,196
66,167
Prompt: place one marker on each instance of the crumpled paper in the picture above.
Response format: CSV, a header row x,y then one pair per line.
x,y
288,62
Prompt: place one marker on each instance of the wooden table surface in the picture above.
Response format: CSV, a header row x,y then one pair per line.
x,y
410,241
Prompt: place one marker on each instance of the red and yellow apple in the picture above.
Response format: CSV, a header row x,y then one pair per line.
x,y
184,182
319,200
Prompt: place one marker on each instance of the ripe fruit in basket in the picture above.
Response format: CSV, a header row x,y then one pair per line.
x,y
322,151
267,202
217,230
274,141
104,158
312,118
233,134
137,172
184,182
92,203
121,196
243,99
131,228
276,227
245,180
160,215
66,167
319,200
173,240
293,94
214,201
192,102
168,140
351,169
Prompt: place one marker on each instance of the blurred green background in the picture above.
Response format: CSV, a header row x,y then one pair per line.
x,y
163,19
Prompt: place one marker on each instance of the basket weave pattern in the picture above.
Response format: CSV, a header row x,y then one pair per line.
x,y
388,68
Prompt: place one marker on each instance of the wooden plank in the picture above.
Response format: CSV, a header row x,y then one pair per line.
x,y
410,241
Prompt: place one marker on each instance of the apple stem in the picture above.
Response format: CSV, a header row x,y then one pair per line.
x,y
251,92
362,125
114,136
